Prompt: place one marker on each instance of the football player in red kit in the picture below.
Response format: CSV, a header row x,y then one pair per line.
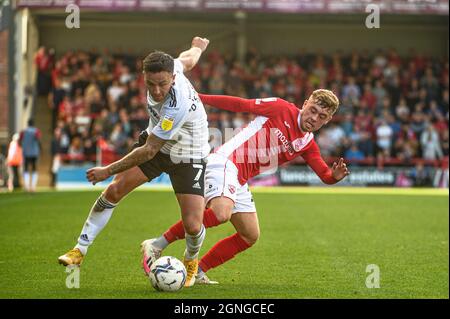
x,y
279,133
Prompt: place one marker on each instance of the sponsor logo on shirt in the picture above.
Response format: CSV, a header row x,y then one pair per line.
x,y
287,145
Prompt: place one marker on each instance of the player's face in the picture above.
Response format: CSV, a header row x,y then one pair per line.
x,y
159,84
313,117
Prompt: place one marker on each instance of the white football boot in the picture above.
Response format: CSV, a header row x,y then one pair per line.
x,y
202,279
149,254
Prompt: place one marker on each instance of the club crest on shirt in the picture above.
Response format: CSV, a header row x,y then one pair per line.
x,y
300,143
231,188
167,123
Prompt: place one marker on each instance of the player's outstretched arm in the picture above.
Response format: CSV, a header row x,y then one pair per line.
x,y
189,58
269,107
138,156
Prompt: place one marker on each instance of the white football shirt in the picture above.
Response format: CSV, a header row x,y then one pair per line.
x,y
180,119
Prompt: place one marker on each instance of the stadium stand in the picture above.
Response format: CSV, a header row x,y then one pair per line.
x,y
394,109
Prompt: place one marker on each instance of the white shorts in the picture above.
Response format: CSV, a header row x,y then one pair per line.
x,y
221,179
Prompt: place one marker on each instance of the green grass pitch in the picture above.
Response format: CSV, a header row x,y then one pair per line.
x,y
315,243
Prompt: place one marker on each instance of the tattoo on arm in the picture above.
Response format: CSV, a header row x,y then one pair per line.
x,y
137,156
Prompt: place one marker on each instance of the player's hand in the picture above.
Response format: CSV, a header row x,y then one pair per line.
x,y
339,170
201,43
97,174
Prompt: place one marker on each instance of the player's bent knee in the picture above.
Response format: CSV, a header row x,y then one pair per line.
x,y
222,211
250,239
192,228
113,193
192,224
223,215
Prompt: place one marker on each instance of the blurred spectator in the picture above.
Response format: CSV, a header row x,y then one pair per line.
x,y
351,91
366,145
115,91
118,139
14,161
216,83
393,123
441,178
402,111
336,135
418,120
368,97
66,109
238,120
444,143
384,138
224,121
95,103
444,101
380,93
353,154
126,76
30,140
56,152
406,144
412,95
430,84
429,140
90,145
43,61
421,175
325,142
76,151
347,124
55,97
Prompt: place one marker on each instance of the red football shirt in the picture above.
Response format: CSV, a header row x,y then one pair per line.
x,y
274,137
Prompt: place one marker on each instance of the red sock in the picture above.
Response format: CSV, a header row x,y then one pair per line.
x,y
223,251
176,231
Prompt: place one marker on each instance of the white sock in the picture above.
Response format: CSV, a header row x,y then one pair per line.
x,y
98,218
26,180
194,243
161,242
34,179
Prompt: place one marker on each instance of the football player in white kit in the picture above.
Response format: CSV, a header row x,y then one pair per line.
x,y
175,142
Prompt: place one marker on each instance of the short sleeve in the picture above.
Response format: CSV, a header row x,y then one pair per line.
x,y
173,116
178,66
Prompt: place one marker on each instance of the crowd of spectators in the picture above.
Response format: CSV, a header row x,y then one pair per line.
x,y
393,108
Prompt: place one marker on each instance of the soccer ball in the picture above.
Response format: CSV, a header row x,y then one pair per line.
x,y
167,273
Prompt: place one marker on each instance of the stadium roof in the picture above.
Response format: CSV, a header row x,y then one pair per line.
x,y
439,7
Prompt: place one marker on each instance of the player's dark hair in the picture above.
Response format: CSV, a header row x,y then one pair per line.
x,y
30,122
158,61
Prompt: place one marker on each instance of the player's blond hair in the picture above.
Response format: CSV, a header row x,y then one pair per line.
x,y
325,99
